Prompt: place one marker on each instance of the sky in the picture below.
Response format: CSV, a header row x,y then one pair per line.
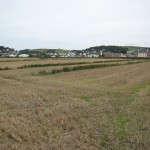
x,y
74,24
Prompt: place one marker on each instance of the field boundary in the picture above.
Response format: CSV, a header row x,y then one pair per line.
x,y
67,64
77,68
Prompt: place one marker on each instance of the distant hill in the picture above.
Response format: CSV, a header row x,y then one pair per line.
x,y
50,50
132,47
110,48
41,51
115,49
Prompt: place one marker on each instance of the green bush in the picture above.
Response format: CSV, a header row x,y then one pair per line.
x,y
66,69
54,71
5,68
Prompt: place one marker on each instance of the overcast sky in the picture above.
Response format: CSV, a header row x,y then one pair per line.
x,y
74,24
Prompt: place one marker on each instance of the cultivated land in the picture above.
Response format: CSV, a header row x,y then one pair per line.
x,y
105,108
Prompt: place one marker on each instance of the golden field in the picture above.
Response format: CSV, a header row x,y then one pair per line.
x,y
93,109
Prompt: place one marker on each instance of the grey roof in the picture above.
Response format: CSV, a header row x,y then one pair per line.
x,y
144,50
141,50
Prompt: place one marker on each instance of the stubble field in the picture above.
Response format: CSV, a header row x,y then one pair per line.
x,y
105,108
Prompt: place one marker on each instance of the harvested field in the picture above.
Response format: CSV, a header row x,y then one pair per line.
x,y
92,109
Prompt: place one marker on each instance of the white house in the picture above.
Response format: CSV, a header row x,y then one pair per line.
x,y
24,55
12,55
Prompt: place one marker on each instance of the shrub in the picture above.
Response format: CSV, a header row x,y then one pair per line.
x,y
5,68
66,69
54,71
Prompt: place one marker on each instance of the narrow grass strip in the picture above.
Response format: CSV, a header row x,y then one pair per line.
x,y
17,60
76,68
67,64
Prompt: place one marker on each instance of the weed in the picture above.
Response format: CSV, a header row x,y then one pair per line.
x,y
5,68
86,98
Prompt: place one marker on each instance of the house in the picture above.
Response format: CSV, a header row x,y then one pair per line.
x,y
12,55
24,55
84,54
132,53
71,54
123,55
109,54
54,55
93,55
143,52
148,54
61,54
78,54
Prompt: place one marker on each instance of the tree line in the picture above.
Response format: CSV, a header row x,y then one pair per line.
x,y
115,49
6,49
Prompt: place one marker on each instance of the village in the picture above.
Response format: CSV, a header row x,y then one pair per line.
x,y
137,53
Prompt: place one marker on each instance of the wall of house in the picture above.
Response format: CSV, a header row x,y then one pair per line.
x,y
142,54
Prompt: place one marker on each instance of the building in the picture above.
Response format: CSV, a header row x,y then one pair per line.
x,y
24,55
143,52
111,54
140,53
